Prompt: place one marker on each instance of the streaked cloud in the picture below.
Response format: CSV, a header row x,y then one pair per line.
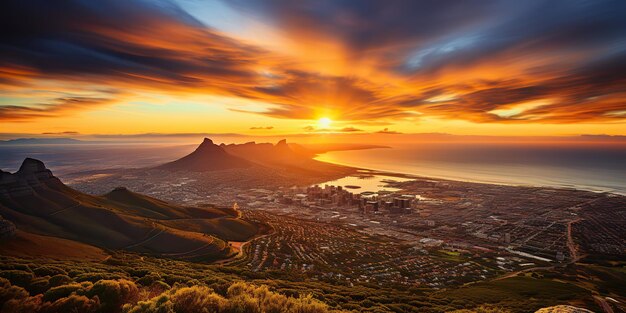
x,y
359,62
55,108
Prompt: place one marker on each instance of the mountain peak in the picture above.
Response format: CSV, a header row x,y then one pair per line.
x,y
207,157
208,145
283,142
31,165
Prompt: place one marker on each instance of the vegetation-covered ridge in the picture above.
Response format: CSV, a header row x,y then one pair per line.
x,y
139,283
121,295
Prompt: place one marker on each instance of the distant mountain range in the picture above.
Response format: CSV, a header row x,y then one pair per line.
x,y
42,141
39,204
207,157
211,157
268,154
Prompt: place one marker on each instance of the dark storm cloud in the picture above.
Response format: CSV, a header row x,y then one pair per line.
x,y
128,40
371,24
427,34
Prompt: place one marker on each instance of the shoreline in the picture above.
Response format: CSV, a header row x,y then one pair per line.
x,y
372,171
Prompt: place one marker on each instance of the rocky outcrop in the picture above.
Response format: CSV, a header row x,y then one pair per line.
x,y
32,174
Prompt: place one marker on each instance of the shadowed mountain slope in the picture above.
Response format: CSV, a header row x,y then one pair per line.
x,y
37,202
148,206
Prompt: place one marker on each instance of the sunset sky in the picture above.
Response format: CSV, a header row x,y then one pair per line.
x,y
271,67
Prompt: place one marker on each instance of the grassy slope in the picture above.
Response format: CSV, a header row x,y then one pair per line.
x,y
147,206
228,228
30,245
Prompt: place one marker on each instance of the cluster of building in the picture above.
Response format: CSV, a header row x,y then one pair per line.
x,y
387,203
337,196
331,195
333,251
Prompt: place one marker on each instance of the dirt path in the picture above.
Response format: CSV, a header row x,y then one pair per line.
x,y
145,240
179,254
63,210
240,250
571,245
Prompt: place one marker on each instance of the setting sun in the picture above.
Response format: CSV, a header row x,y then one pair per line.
x,y
324,122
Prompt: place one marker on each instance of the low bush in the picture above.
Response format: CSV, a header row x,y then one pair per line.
x,y
59,292
18,277
58,280
113,294
9,292
49,271
159,304
73,303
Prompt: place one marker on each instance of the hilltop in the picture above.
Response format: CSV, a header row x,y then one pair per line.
x,y
38,203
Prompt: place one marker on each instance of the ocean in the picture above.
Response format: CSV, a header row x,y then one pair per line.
x,y
590,167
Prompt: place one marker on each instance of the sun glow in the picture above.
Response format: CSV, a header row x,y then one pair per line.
x,y
324,122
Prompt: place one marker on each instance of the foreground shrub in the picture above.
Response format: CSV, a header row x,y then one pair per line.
x,y
482,309
241,298
197,299
114,293
73,303
58,280
160,304
24,305
244,297
49,271
149,279
242,304
153,290
9,292
38,285
18,277
94,277
59,292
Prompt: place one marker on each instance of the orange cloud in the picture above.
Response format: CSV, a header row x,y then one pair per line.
x,y
366,65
